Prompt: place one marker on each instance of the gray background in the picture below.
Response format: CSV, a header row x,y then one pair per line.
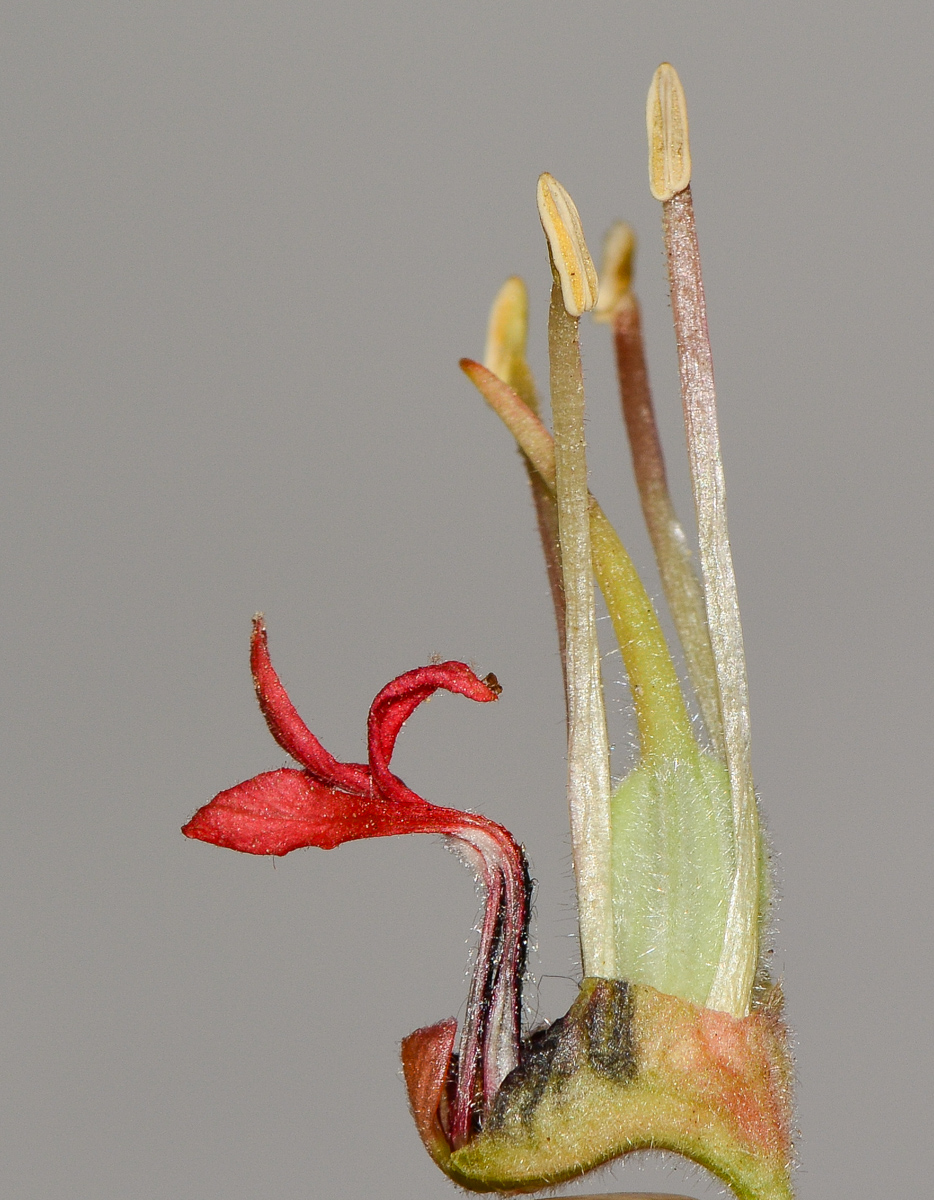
x,y
244,246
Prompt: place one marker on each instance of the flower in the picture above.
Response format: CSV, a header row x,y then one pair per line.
x,y
328,803
676,1040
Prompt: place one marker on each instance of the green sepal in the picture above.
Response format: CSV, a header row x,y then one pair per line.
x,y
630,1068
673,865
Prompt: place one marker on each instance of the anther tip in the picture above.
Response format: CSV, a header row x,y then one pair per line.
x,y
507,329
666,118
619,251
569,252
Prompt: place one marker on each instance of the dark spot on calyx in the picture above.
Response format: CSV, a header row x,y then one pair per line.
x,y
596,1033
608,1020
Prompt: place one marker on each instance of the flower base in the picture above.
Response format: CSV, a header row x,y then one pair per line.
x,y
627,1069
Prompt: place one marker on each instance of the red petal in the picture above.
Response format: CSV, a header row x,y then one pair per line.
x,y
288,728
285,810
426,1061
398,700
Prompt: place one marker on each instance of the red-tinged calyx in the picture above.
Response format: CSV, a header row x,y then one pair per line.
x,y
328,802
627,1069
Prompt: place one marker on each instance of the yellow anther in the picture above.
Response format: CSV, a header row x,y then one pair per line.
x,y
569,251
666,119
507,329
619,250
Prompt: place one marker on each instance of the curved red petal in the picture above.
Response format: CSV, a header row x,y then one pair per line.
x,y
398,700
288,728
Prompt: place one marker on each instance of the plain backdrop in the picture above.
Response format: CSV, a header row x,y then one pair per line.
x,y
244,246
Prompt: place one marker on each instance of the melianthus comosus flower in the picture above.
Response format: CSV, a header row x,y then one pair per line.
x,y
676,1040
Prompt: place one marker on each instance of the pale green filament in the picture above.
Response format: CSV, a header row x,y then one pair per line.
x,y
588,745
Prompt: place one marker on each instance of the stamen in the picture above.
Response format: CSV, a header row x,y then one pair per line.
x,y
619,252
669,174
506,336
574,291
666,119
569,253
676,569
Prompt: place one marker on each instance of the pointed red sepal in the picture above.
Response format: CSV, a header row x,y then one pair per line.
x,y
272,813
426,1066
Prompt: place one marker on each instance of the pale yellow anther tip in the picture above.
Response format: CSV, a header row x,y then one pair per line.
x,y
619,249
507,329
666,119
569,251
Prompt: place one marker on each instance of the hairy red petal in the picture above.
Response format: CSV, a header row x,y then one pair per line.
x,y
288,728
426,1061
285,810
398,700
